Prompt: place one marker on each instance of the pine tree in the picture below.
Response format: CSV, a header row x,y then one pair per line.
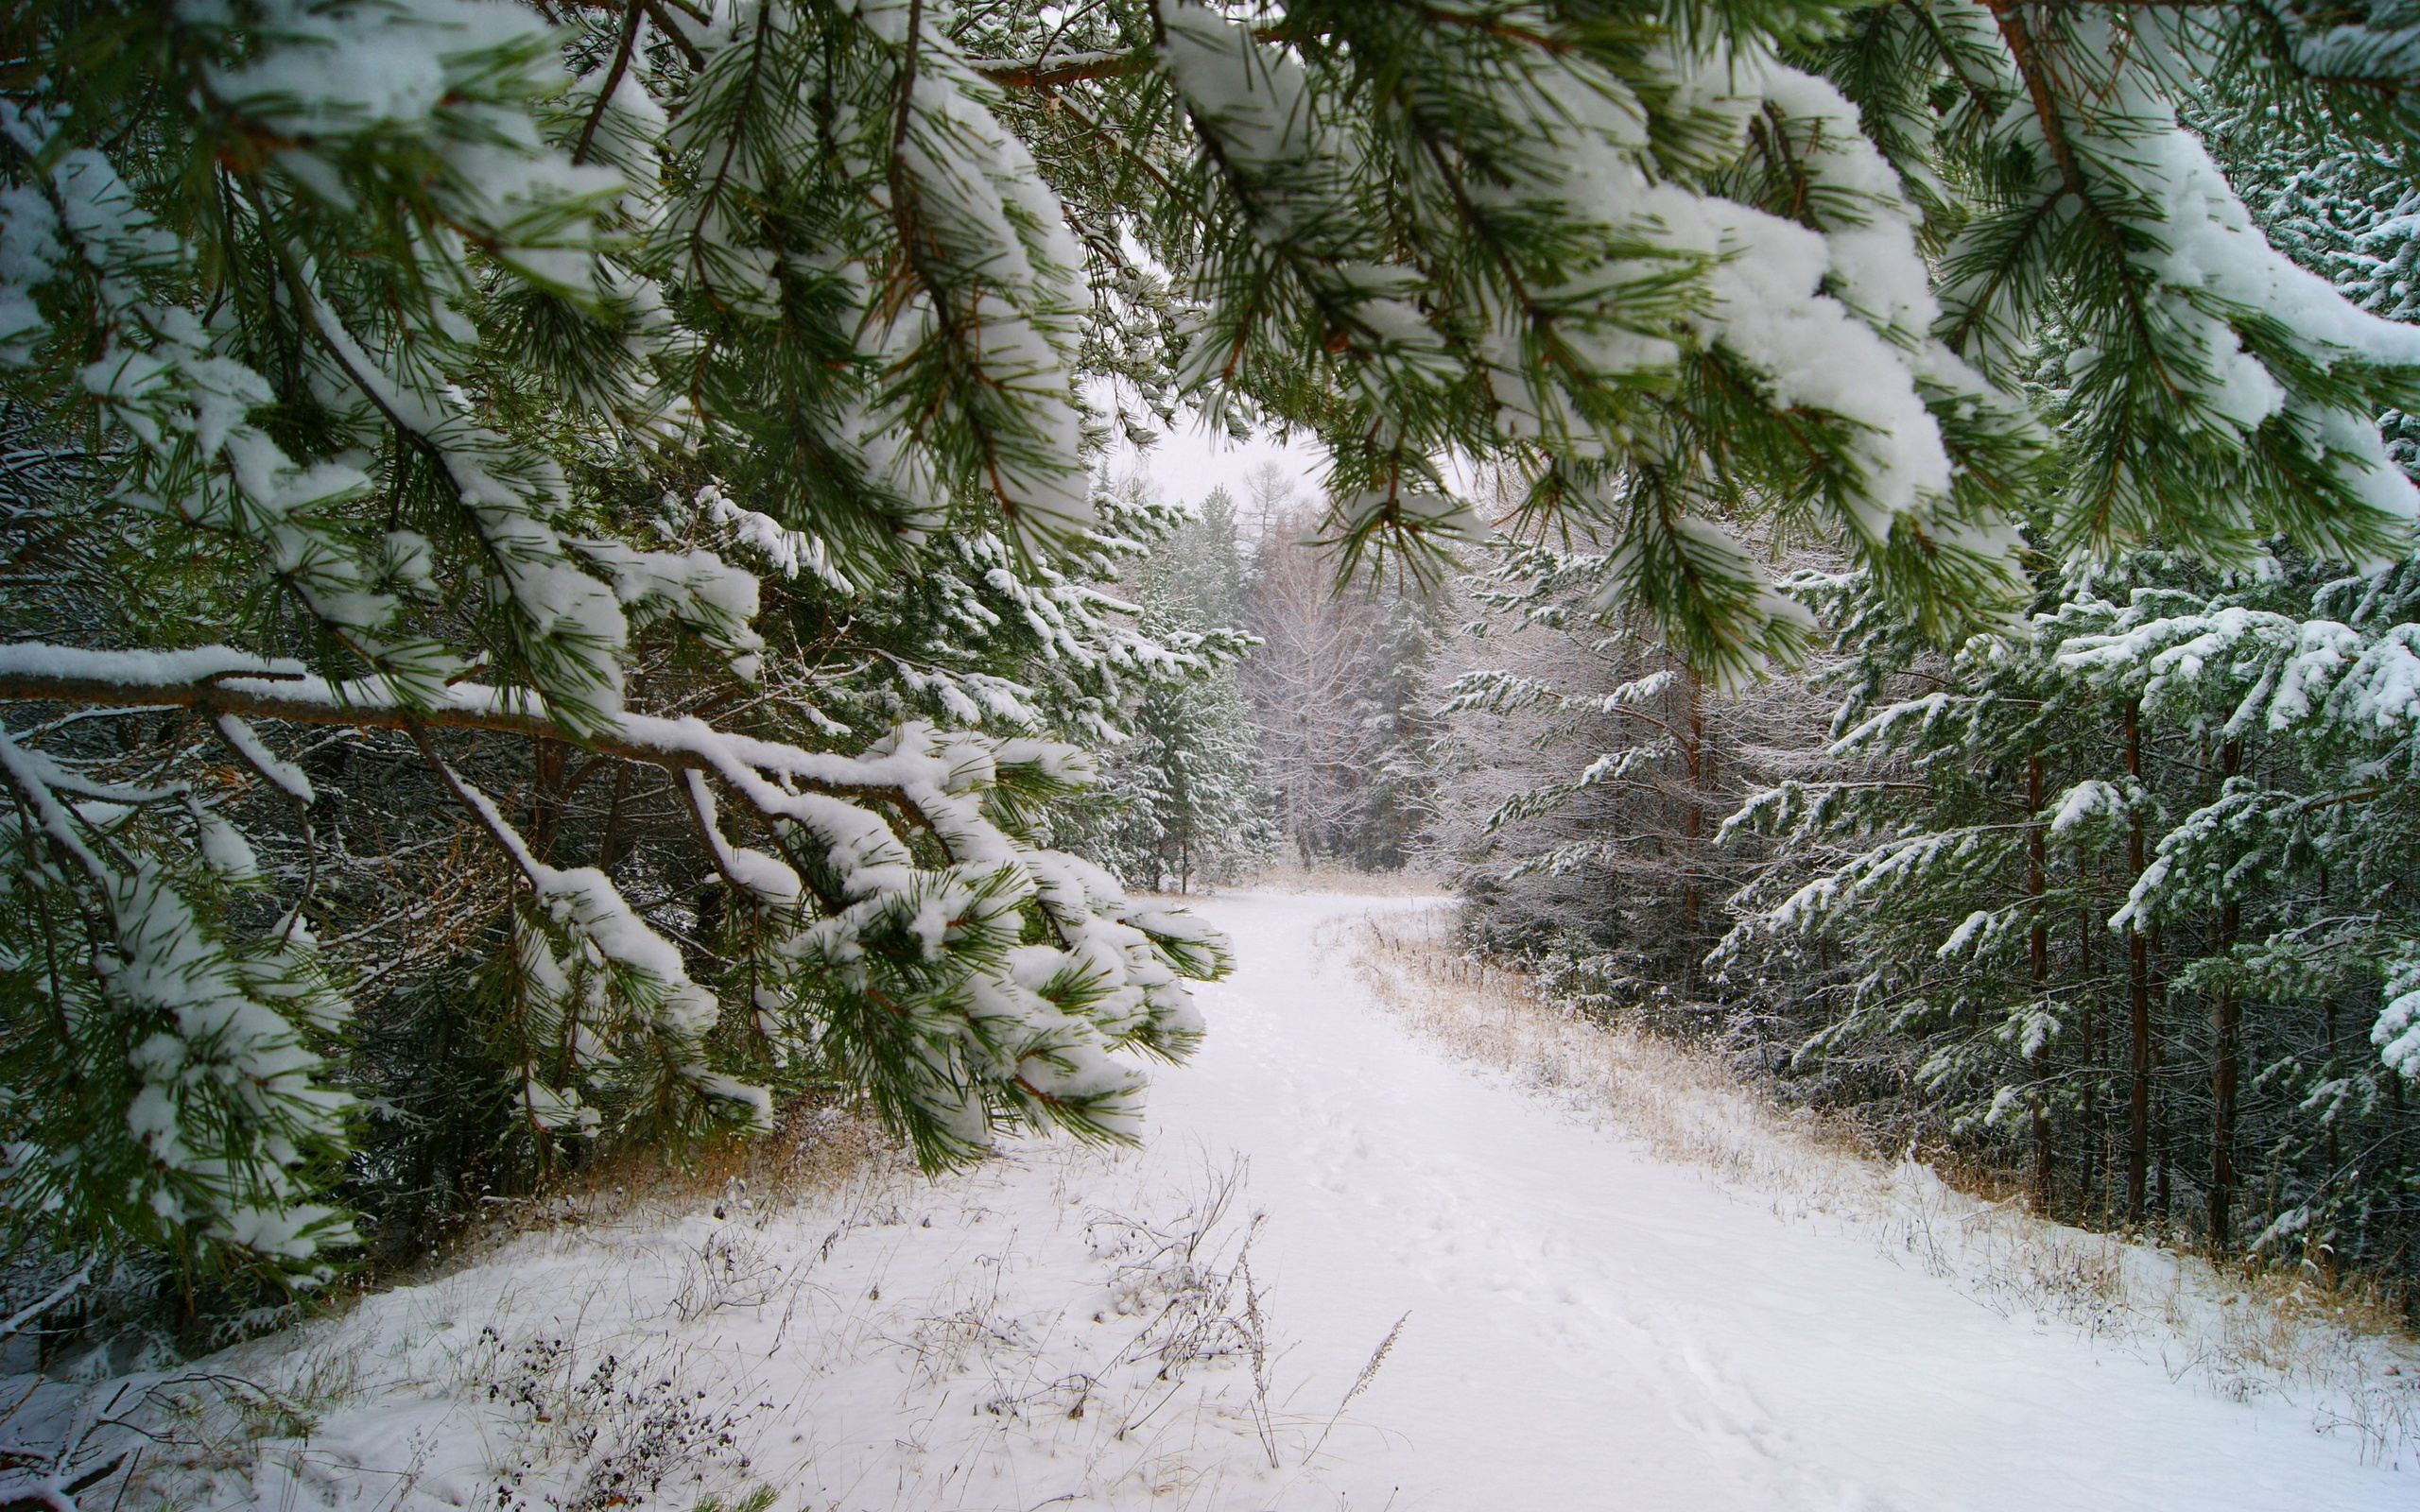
x,y
1397,707
1593,771
1183,797
1935,923
2120,893
383,332
1340,696
2118,897
426,400
1186,790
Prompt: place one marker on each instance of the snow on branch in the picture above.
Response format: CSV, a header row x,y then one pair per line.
x,y
933,953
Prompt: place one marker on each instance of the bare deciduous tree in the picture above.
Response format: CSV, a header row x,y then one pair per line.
x,y
1338,691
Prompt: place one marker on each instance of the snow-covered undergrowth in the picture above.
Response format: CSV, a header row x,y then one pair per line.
x,y
2237,1334
1292,877
1060,1328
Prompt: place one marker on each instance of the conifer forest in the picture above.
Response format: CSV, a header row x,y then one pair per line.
x,y
600,588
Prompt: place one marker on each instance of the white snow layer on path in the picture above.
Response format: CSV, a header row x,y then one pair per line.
x,y
1587,1328
1591,1328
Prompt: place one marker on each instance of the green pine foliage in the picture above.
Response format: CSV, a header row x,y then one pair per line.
x,y
1592,771
1396,709
2123,898
508,666
2114,900
595,502
2114,896
1182,800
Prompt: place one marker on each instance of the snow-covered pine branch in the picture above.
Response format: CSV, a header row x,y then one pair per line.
x,y
458,364
389,387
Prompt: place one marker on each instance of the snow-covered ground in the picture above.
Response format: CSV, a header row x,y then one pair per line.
x,y
1575,1323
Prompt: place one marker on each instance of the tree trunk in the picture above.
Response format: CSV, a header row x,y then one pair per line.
x,y
2095,1159
2138,1002
2335,1156
2226,1074
615,845
1693,819
2226,1057
2039,958
2163,1128
546,797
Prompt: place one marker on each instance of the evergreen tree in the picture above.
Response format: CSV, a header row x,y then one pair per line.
x,y
2120,896
2122,891
1183,798
1933,930
1397,714
1593,770
425,398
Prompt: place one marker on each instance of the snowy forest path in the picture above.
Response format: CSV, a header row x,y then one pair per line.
x,y
1590,1327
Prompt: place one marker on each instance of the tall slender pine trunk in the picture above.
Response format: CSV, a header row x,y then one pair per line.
x,y
1693,820
2038,956
2138,1000
2095,1166
2226,1056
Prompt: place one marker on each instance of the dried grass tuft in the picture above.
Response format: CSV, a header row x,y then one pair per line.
x,y
813,1151
1291,878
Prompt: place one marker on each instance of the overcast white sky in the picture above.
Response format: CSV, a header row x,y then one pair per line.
x,y
1190,461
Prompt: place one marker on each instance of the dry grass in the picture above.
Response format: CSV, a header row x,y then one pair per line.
x,y
813,1151
1290,878
1140,1360
227,1420
1687,1109
2338,1350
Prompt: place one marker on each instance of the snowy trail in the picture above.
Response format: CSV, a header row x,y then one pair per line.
x,y
1590,1328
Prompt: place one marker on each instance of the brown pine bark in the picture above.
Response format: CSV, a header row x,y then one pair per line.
x,y
1693,816
2096,1162
2226,1067
2138,1002
2039,960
